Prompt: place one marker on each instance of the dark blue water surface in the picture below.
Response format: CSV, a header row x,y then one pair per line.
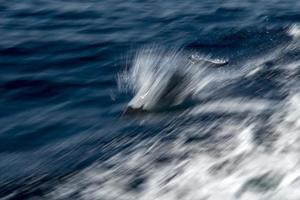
x,y
60,103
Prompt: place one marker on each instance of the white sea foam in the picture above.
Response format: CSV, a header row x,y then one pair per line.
x,y
229,161
237,105
240,169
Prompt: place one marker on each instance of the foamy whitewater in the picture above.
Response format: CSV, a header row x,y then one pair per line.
x,y
247,148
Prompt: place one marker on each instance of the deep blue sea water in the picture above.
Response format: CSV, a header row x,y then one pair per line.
x,y
68,70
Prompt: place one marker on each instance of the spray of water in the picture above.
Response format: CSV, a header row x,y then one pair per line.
x,y
161,79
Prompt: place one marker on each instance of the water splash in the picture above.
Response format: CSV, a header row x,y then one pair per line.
x,y
162,79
